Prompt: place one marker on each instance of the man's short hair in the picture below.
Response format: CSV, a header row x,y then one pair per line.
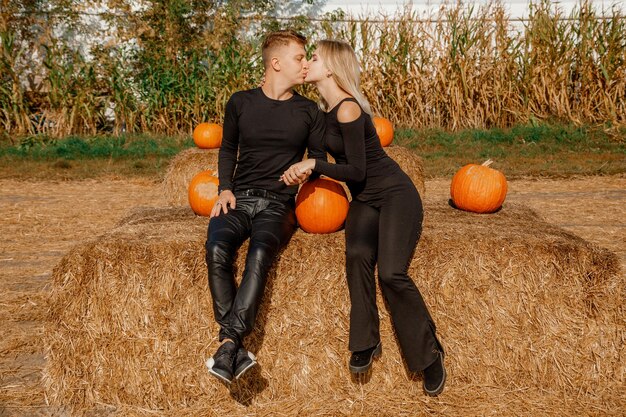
x,y
279,38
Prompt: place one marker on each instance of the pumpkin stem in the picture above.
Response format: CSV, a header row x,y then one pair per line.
x,y
487,162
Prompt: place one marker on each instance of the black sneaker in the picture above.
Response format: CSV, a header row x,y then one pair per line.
x,y
435,376
361,361
245,360
222,364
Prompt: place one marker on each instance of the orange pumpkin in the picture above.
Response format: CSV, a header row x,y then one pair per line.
x,y
203,193
321,206
384,129
207,135
478,188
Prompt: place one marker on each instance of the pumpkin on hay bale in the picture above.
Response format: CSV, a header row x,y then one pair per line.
x,y
182,168
203,192
321,206
530,316
189,162
478,188
384,130
208,135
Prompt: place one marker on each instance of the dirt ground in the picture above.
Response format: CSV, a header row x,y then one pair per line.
x,y
40,221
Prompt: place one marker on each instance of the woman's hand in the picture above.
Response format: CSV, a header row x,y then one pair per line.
x,y
298,173
225,199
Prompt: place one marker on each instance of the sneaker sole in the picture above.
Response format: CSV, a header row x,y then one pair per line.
x,y
363,369
209,364
244,370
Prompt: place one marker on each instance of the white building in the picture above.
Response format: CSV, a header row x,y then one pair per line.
x,y
517,8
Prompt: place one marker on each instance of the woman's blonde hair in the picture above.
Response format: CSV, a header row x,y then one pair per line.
x,y
340,59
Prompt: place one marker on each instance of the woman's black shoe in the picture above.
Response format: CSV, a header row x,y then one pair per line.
x,y
435,376
361,361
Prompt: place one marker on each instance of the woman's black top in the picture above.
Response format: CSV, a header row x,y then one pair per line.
x,y
360,159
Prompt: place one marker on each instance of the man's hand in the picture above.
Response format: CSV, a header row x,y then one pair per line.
x,y
298,173
226,199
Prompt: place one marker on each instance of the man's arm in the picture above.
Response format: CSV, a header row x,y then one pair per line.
x,y
227,160
301,171
227,157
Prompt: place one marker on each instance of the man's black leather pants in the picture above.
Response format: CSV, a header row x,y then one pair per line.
x,y
269,224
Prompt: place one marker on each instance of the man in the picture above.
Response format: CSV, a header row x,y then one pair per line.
x,y
266,130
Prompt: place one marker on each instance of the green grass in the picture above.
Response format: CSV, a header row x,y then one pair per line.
x,y
522,151
74,147
41,157
543,150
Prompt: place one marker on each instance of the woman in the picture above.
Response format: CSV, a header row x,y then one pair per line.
x,y
384,221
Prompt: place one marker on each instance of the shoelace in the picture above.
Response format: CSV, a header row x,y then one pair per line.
x,y
221,352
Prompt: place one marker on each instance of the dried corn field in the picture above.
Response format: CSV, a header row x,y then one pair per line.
x,y
477,69
463,67
41,221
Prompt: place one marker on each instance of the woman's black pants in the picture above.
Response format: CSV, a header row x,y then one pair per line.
x,y
269,224
386,231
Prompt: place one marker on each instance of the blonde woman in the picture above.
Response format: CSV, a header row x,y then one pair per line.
x,y
383,225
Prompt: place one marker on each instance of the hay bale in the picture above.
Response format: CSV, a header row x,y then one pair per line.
x,y
189,162
182,168
410,163
531,316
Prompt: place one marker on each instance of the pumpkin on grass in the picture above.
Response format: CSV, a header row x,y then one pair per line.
x,y
208,135
203,193
384,129
321,206
478,188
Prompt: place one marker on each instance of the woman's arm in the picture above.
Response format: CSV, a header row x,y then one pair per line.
x,y
352,125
